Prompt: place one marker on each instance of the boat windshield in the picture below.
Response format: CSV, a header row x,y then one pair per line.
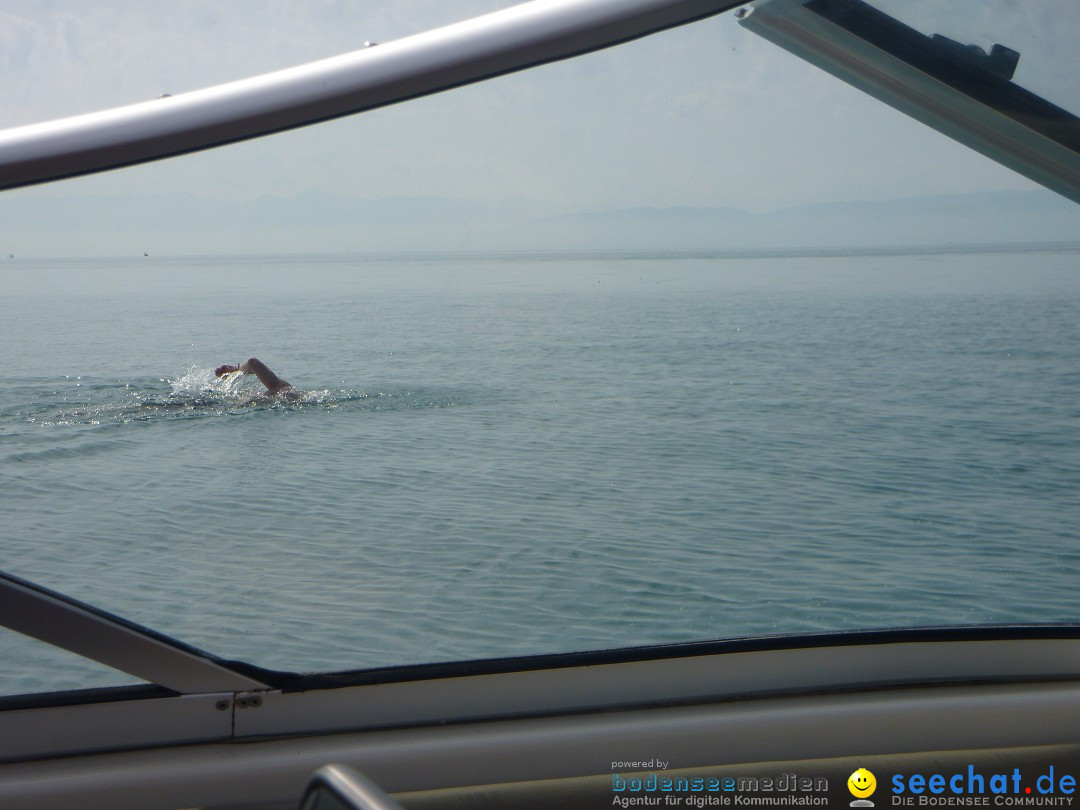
x,y
1033,45
971,89
677,341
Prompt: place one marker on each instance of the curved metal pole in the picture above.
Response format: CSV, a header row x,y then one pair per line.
x,y
513,39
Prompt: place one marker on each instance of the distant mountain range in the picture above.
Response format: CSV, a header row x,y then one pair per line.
x,y
314,221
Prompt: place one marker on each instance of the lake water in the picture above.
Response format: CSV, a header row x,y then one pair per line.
x,y
511,454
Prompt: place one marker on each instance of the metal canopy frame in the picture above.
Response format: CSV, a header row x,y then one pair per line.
x,y
968,100
513,39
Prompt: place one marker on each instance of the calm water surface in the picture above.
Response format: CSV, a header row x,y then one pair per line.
x,y
500,455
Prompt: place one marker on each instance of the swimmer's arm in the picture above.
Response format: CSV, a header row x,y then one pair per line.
x,y
254,365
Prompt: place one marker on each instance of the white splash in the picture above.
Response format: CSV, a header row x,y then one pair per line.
x,y
201,384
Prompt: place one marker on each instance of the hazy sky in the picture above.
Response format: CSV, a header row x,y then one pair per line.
x,y
706,115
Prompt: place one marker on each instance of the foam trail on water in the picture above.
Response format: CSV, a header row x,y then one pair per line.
x,y
197,392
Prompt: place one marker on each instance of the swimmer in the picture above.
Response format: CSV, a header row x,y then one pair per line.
x,y
253,365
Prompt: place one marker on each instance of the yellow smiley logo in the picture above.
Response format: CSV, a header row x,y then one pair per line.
x,y
861,783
